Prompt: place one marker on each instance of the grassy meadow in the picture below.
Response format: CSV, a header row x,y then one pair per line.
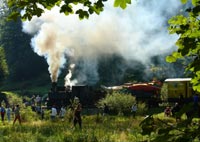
x,y
96,128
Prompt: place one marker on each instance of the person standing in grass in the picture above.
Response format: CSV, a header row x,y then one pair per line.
x,y
167,111
62,113
17,115
175,110
77,115
8,112
53,112
134,109
3,111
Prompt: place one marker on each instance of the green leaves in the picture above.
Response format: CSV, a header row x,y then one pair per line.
x,y
67,9
118,103
196,81
14,16
184,1
187,26
121,3
195,2
33,8
3,64
82,14
172,58
169,130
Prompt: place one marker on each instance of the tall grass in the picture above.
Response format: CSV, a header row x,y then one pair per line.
x,y
95,129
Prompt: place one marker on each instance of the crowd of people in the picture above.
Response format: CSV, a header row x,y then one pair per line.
x,y
35,102
14,111
8,111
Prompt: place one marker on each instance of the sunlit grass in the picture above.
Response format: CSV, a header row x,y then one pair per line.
x,y
110,128
96,128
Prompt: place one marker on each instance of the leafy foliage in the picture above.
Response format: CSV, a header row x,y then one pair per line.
x,y
3,64
18,53
187,26
122,3
170,130
118,103
83,8
13,98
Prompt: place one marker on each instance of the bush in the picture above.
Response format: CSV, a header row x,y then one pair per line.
x,y
118,103
13,98
142,108
27,115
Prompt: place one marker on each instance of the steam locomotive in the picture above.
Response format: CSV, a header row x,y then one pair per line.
x,y
62,96
89,95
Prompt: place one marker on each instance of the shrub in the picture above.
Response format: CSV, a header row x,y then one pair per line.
x,y
13,98
27,115
118,103
142,108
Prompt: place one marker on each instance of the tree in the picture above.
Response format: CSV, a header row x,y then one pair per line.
x,y
3,62
187,26
3,65
15,51
83,8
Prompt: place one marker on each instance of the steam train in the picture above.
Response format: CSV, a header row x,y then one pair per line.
x,y
146,92
61,96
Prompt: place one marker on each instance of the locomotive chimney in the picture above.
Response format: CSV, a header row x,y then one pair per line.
x,y
54,87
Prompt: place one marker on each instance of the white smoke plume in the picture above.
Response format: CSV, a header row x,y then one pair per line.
x,y
68,82
138,32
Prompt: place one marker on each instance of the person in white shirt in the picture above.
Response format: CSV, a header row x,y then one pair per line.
x,y
8,112
62,113
53,112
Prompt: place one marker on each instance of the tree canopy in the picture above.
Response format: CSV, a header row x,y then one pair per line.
x,y
187,26
83,8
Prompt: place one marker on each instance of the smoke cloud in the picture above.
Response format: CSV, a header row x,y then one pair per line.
x,y
138,32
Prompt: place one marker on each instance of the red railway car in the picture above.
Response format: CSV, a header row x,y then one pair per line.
x,y
146,92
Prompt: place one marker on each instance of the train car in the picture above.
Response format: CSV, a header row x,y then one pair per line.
x,y
178,88
143,92
146,92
